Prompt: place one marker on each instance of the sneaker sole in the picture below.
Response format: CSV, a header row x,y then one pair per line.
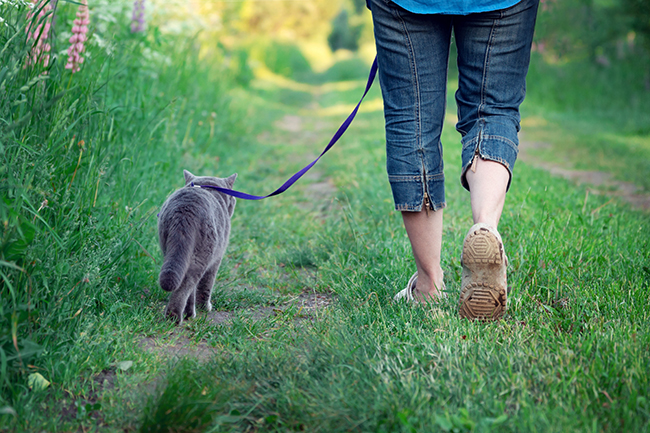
x,y
484,297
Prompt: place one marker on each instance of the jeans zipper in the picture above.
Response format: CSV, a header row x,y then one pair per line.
x,y
476,153
427,201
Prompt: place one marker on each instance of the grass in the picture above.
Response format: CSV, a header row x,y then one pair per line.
x,y
594,118
571,356
81,304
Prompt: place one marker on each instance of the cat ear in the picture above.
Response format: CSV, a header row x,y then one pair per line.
x,y
188,176
231,180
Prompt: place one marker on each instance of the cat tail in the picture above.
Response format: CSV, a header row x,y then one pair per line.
x,y
177,261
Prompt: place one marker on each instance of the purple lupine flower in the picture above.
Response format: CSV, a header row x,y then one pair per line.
x,y
137,20
79,30
39,31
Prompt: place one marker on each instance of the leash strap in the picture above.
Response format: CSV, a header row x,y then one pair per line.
x,y
295,177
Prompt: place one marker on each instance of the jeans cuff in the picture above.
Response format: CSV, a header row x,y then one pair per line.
x,y
492,141
408,192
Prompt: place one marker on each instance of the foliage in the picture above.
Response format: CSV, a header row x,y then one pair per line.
x,y
281,58
286,21
343,34
344,70
639,11
70,207
588,59
597,30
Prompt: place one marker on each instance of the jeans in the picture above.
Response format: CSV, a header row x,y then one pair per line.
x,y
493,53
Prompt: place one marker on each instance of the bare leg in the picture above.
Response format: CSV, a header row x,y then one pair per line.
x,y
425,233
487,188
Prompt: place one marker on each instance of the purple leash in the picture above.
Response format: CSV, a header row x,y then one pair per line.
x,y
295,177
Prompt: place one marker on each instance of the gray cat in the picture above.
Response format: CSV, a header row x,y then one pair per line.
x,y
193,227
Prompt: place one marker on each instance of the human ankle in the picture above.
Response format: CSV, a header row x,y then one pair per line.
x,y
491,222
430,284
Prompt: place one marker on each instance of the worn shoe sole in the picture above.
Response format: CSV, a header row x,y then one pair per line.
x,y
483,288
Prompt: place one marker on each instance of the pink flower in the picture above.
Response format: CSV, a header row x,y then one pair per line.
x,y
137,19
79,30
39,31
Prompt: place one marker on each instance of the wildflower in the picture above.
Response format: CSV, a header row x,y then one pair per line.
x,y
137,20
44,203
38,30
79,30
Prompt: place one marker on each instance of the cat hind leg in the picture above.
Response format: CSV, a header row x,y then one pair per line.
x,y
179,300
190,309
204,288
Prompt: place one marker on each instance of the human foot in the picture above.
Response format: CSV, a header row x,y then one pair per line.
x,y
411,294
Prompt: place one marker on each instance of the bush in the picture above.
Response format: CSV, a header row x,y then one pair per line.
x,y
344,35
281,58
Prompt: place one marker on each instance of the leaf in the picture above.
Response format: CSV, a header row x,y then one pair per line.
x,y
124,365
498,420
24,233
92,407
11,265
27,348
444,423
7,410
37,382
403,418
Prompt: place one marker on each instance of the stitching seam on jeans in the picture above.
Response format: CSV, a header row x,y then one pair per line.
x,y
418,102
417,208
501,139
439,177
416,82
486,66
480,138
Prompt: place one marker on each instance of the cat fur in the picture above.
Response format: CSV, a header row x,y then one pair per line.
x,y
193,229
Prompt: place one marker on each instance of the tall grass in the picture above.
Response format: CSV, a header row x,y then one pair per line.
x,y
81,158
592,117
616,94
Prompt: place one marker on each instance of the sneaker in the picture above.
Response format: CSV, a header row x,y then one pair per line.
x,y
483,294
407,293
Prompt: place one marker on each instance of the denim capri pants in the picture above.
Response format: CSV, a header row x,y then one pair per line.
x,y
493,53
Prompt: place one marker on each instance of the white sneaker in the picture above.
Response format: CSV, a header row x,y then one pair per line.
x,y
407,293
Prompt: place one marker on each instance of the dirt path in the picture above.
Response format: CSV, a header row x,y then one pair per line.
x,y
598,182
318,192
306,307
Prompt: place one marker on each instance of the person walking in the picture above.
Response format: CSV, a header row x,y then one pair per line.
x,y
493,41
